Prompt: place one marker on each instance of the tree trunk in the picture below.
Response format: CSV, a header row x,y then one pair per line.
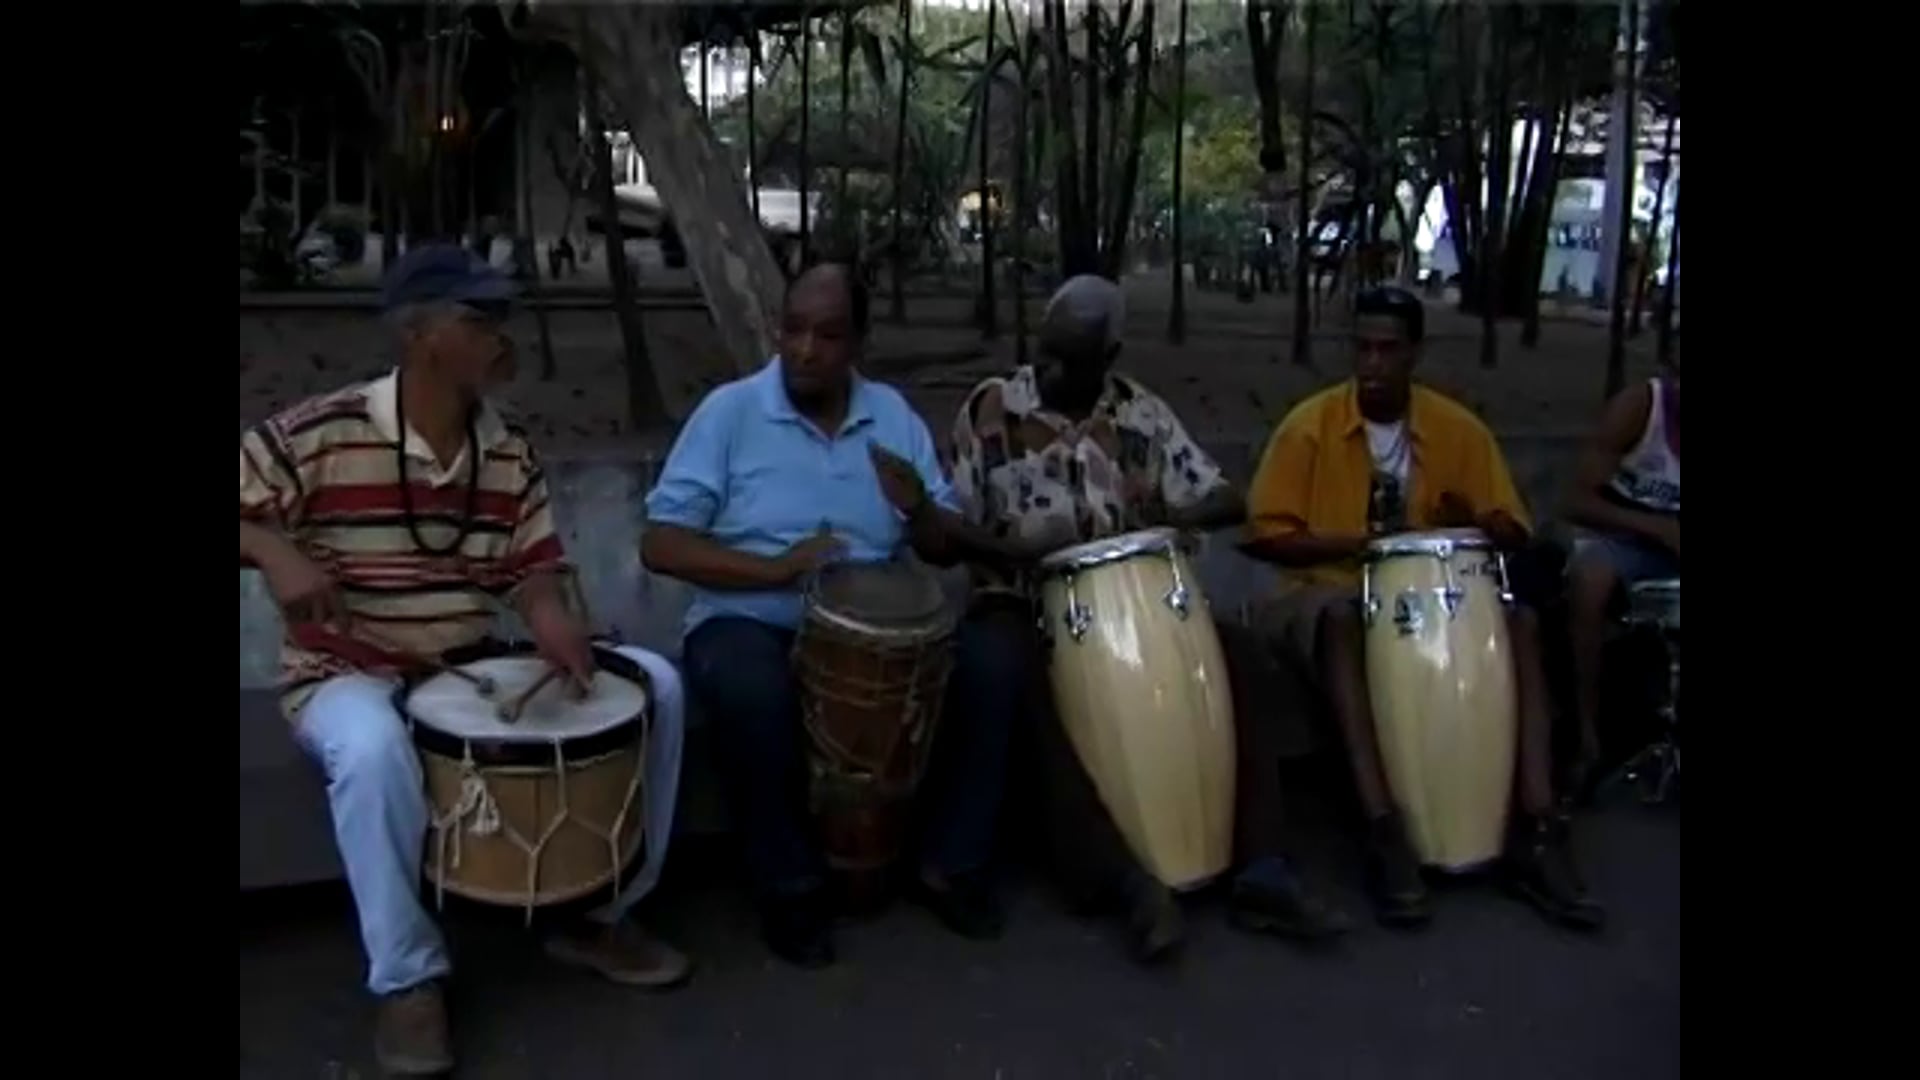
x,y
333,157
1023,56
846,230
293,179
806,130
645,407
1266,34
1078,254
1303,214
436,202
526,244
900,163
1669,296
635,50
1121,193
1177,308
989,306
1653,234
753,159
1617,298
1090,150
1499,176
1113,66
1540,224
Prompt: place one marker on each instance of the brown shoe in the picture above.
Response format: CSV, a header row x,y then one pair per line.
x,y
624,953
410,1033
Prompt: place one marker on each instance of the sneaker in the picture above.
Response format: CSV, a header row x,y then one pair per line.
x,y
1541,871
1393,876
1269,896
1155,928
964,903
796,929
410,1033
622,953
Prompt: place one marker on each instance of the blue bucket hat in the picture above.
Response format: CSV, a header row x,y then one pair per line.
x,y
449,273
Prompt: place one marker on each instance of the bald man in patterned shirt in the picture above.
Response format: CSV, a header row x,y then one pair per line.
x,y
1065,451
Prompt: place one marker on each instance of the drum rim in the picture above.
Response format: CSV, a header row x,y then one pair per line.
x,y
1427,542
941,624
1655,587
1121,546
528,752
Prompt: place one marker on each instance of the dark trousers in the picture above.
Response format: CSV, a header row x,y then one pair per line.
x,y
740,670
1085,851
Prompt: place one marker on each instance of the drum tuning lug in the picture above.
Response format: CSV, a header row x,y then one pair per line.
x,y
1176,599
1407,613
1450,598
1079,620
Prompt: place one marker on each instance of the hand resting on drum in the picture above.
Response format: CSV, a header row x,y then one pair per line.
x,y
698,559
557,634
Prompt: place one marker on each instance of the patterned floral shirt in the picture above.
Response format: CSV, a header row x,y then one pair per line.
x,y
1026,472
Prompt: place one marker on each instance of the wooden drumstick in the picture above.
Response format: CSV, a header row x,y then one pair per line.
x,y
330,641
510,712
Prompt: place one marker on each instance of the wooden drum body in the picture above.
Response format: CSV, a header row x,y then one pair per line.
x,y
1440,677
872,658
543,810
1141,687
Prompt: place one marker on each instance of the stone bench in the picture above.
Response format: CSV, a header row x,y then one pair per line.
x,y
285,835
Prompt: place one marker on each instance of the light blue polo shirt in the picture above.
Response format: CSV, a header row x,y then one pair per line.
x,y
751,472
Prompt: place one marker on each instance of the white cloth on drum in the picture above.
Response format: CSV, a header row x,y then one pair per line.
x,y
661,785
380,817
380,813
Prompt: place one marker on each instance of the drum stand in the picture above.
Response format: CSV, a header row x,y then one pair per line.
x,y
1656,768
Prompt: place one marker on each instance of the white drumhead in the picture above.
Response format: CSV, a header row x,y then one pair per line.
x,y
455,706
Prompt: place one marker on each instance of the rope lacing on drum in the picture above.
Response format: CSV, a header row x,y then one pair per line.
x,y
477,802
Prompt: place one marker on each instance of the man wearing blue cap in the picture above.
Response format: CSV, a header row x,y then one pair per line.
x,y
384,516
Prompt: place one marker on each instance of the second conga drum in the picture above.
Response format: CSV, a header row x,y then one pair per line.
x,y
1141,688
1440,678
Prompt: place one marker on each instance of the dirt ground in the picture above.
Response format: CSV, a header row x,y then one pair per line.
x,y
1231,379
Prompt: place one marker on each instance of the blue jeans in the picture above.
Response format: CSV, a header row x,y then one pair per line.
x,y
741,672
380,814
1633,558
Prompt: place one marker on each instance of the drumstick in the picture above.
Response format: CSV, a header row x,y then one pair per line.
x,y
369,649
510,712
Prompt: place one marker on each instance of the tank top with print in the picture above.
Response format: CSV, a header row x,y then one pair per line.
x,y
1648,477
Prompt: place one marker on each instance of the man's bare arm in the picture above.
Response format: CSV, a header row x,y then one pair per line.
x,y
699,559
1619,429
1302,550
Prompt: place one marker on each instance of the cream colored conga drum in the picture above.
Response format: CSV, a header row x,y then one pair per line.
x,y
1440,677
1141,688
537,806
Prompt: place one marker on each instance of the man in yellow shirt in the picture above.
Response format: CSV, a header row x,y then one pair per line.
x,y
1371,456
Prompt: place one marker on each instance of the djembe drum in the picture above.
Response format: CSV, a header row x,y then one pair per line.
x,y
872,658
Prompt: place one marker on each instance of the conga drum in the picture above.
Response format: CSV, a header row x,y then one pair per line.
x,y
1440,678
541,808
872,659
1141,688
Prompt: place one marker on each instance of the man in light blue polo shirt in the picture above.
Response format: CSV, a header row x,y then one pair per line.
x,y
773,475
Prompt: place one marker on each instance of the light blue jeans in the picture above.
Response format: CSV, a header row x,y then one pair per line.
x,y
381,816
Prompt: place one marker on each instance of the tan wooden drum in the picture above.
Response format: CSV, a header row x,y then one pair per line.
x,y
543,809
1440,677
872,658
1141,687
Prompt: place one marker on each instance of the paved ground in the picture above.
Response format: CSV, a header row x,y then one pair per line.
x,y
1488,991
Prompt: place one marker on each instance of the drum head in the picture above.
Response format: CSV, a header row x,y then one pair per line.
x,y
1111,549
1438,542
886,598
455,708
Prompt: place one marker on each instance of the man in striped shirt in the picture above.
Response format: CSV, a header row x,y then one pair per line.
x,y
387,517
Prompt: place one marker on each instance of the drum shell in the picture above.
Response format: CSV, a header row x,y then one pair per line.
x,y
1445,710
584,791
1144,697
871,705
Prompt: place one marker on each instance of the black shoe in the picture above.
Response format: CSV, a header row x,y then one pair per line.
x,y
1269,896
1393,876
1540,870
965,904
798,931
1155,929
